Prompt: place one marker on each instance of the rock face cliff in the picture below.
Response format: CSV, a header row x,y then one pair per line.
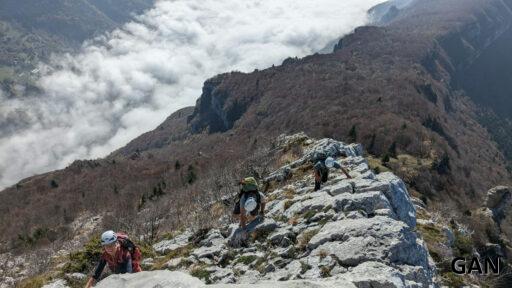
x,y
357,232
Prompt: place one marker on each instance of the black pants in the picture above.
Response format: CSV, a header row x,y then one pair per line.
x,y
324,173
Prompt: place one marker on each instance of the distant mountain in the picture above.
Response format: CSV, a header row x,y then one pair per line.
x,y
31,30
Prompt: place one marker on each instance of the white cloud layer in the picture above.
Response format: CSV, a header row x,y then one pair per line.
x,y
127,82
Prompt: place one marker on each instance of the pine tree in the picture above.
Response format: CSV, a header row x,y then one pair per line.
x,y
353,134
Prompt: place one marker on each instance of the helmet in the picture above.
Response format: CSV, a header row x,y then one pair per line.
x,y
250,204
329,162
108,237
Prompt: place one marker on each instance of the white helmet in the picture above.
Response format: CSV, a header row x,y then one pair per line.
x,y
250,204
329,162
108,237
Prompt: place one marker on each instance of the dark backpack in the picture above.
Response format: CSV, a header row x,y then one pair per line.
x,y
253,193
129,246
318,156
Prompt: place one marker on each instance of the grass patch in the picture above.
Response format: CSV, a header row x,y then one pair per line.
x,y
304,267
281,218
433,237
322,254
306,237
451,279
327,208
286,159
289,192
34,282
430,233
325,272
293,221
170,235
376,165
301,171
246,260
323,222
201,273
226,259
260,235
147,250
288,204
308,215
272,197
182,252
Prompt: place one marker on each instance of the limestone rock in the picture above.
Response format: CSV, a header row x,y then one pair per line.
x,y
378,239
59,283
498,196
399,198
151,279
177,242
339,188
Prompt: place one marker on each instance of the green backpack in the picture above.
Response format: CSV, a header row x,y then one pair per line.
x,y
249,184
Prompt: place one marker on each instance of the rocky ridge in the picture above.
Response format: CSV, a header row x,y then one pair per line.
x,y
357,232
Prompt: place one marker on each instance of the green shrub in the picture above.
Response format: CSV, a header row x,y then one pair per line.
x,y
83,261
281,218
191,175
304,267
246,260
451,279
463,245
227,258
352,134
146,250
325,272
54,184
392,150
201,273
442,166
288,204
327,208
308,215
36,236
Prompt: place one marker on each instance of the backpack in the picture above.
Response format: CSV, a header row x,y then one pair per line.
x,y
249,184
318,156
250,189
253,194
129,246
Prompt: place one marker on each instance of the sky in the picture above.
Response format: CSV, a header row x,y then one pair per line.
x,y
126,82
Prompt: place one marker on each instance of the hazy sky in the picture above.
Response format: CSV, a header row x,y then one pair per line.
x,y
127,82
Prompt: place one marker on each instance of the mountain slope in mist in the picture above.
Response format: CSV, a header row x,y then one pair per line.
x,y
31,30
128,81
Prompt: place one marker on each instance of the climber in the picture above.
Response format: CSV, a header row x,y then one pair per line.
x,y
119,252
322,166
250,203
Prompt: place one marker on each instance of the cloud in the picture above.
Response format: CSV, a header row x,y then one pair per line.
x,y
128,81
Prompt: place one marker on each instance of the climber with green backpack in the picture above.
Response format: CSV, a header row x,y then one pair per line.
x,y
322,164
250,203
